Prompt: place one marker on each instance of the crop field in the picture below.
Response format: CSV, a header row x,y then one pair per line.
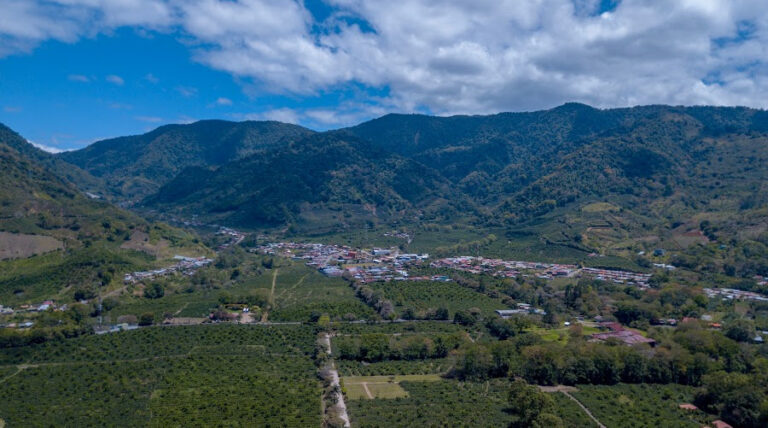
x,y
180,376
420,327
395,367
370,387
426,295
641,405
450,403
299,291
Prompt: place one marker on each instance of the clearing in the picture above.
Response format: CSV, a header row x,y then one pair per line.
x,y
370,387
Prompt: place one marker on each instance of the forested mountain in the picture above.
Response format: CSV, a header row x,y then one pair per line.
x,y
323,181
81,242
61,168
594,178
136,166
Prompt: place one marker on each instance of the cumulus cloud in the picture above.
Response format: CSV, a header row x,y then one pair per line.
x,y
447,56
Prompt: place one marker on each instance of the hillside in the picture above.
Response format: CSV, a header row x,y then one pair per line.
x,y
69,172
322,182
77,242
136,166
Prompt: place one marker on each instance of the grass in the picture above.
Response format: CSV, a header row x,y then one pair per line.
x,y
370,387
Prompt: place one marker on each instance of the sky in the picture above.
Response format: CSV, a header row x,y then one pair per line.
x,y
76,71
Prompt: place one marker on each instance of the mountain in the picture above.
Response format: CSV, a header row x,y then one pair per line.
x,y
85,181
77,242
136,166
321,182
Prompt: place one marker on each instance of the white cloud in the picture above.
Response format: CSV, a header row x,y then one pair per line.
x,y
78,78
151,78
114,79
187,92
446,56
223,101
45,148
149,119
285,115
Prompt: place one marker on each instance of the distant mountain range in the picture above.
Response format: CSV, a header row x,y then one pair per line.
x,y
137,166
605,174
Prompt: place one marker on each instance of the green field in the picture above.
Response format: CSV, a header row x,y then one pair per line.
x,y
641,405
396,367
372,387
421,296
451,403
180,376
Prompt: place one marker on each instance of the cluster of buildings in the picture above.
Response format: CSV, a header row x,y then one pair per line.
x,y
377,264
504,268
733,294
400,235
522,309
32,307
236,237
185,265
619,276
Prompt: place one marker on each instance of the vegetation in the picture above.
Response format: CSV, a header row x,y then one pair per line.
x,y
162,376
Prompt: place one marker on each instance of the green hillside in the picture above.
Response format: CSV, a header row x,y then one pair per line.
x,y
74,242
323,182
136,166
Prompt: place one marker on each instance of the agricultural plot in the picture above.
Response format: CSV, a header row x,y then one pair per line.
x,y
180,376
370,387
300,291
449,402
396,367
422,296
436,404
641,405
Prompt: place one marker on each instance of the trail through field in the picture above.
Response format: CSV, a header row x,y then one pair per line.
x,y
367,391
336,383
181,309
265,315
591,416
298,283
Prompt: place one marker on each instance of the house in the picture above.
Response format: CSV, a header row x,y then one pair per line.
x,y
721,424
688,406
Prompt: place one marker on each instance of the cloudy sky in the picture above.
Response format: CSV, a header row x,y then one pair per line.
x,y
73,71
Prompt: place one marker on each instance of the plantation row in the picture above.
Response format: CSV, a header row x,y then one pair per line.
x,y
164,341
200,390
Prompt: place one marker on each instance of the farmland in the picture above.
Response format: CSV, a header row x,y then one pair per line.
x,y
641,405
423,296
450,403
177,376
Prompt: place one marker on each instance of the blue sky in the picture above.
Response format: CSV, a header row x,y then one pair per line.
x,y
75,71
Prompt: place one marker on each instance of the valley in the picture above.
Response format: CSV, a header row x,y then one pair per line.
x,y
601,267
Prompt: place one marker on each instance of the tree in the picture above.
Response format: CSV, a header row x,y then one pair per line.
x,y
154,291
531,406
740,330
147,318
464,318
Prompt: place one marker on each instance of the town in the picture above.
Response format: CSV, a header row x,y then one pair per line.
x,y
185,265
